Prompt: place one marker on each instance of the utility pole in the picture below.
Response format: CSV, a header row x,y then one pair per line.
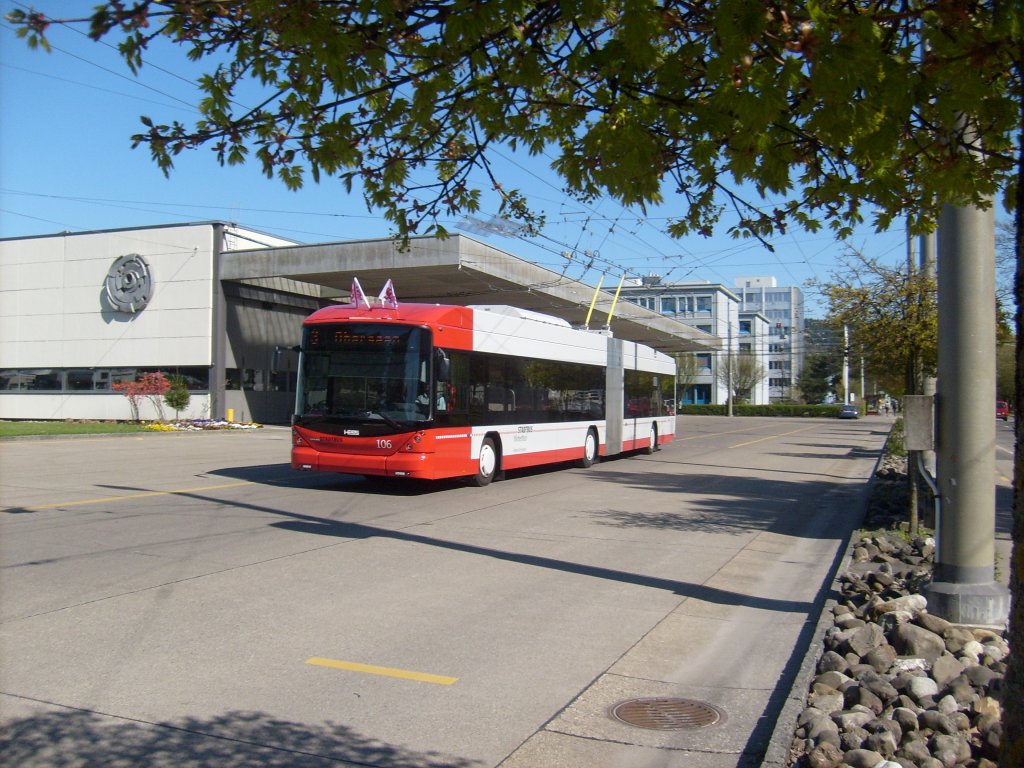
x,y
928,260
863,389
963,589
728,368
789,345
846,364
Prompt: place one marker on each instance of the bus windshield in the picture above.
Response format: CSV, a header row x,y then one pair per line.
x,y
364,374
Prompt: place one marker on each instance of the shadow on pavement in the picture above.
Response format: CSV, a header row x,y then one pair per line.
x,y
790,502
728,504
72,737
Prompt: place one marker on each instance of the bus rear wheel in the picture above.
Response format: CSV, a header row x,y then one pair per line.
x,y
589,449
652,444
487,464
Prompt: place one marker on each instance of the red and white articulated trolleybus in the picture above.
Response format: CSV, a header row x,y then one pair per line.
x,y
431,391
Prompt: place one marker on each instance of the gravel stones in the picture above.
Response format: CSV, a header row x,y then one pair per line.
x,y
917,642
897,687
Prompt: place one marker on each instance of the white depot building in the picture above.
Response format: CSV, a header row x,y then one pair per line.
x,y
215,303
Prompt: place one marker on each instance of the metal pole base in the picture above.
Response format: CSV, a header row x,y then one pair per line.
x,y
976,605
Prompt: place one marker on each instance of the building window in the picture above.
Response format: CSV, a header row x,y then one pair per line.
x,y
744,327
647,302
35,380
698,394
79,381
92,379
703,363
705,328
197,379
702,305
745,347
668,305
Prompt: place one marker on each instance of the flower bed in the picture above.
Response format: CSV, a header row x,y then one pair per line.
x,y
200,425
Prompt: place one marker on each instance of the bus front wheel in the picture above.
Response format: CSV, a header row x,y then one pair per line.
x,y
487,464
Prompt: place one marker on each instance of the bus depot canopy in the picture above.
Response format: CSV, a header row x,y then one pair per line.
x,y
458,270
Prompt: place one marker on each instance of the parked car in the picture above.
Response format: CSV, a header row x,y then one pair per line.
x,y
1002,410
849,411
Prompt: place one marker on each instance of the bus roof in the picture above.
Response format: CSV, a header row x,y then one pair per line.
x,y
419,314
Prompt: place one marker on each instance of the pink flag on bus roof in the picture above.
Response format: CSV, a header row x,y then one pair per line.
x,y
356,295
387,297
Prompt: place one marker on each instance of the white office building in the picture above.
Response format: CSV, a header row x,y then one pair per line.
x,y
784,309
715,309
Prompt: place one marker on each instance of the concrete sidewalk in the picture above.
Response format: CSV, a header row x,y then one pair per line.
x,y
740,659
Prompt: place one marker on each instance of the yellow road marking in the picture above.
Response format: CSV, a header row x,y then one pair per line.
x,y
143,495
369,669
771,437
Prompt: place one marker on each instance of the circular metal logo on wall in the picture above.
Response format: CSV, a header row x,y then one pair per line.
x,y
129,284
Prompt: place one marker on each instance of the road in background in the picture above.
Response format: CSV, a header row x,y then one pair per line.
x,y
1004,497
187,599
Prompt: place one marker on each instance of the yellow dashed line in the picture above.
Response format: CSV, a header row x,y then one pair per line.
x,y
144,495
771,437
369,669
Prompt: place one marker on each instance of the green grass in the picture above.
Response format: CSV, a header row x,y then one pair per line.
x,y
23,428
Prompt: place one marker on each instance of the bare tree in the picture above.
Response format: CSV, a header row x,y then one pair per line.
x,y
742,371
687,369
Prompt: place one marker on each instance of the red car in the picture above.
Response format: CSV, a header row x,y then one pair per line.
x,y
1002,410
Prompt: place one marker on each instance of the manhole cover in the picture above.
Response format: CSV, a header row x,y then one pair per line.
x,y
666,714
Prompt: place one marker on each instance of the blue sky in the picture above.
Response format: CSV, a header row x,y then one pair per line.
x,y
66,164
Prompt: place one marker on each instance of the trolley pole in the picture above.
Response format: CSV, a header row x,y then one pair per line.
x,y
963,589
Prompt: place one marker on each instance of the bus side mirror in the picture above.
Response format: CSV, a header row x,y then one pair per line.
x,y
442,366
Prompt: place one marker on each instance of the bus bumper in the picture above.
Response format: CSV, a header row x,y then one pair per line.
x,y
404,464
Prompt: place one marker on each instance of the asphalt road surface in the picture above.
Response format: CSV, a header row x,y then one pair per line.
x,y
178,599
